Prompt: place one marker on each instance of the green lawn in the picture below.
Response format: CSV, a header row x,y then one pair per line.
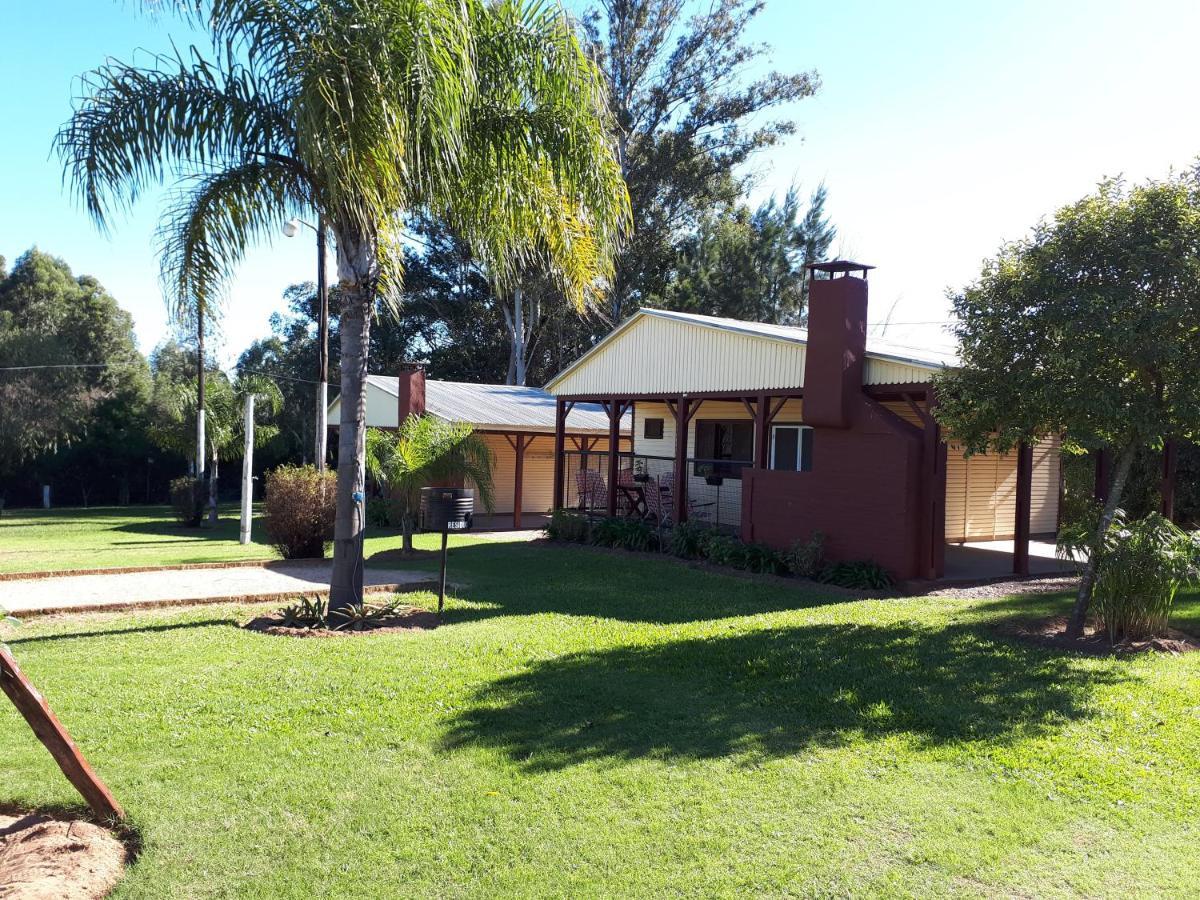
x,y
113,537
595,725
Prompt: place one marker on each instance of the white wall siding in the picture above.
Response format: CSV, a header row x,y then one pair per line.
x,y
886,371
981,493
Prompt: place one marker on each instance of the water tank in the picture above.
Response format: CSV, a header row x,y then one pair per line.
x,y
447,508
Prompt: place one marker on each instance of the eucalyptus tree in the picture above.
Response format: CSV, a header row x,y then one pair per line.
x,y
361,112
1089,328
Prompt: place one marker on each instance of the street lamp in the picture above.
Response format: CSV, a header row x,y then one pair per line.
x,y
291,228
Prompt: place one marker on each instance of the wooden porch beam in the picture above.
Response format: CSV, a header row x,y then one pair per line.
x,y
560,453
1024,506
680,485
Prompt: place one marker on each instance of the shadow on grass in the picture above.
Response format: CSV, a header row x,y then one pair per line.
x,y
520,579
100,633
773,693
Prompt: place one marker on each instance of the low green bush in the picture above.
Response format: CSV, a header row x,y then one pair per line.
x,y
379,513
628,534
1142,563
187,500
566,525
857,574
764,560
687,540
806,559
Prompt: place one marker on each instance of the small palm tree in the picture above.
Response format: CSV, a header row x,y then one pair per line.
x,y
427,452
485,113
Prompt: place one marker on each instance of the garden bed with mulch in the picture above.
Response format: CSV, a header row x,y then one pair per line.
x,y
47,858
405,619
1052,633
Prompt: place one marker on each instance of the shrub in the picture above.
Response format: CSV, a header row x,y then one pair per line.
x,y
806,559
1142,564
687,540
300,510
857,574
304,613
187,500
570,526
379,513
629,534
764,560
722,549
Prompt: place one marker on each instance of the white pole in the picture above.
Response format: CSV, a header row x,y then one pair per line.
x,y
247,472
322,424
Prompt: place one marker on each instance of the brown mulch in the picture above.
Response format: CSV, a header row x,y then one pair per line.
x,y
43,858
1052,633
403,620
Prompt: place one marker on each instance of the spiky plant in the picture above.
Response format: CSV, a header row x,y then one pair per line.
x,y
486,113
424,452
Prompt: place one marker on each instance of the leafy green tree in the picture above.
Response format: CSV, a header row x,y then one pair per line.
x,y
488,114
68,360
424,452
688,118
750,265
1089,328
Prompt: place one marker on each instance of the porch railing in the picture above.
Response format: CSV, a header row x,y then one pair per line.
x,y
714,488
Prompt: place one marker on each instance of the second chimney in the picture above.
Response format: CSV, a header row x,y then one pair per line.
x,y
412,391
837,342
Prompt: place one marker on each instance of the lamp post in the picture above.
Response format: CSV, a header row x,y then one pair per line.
x,y
290,229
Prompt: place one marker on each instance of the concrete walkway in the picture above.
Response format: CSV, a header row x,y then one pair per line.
x,y
77,593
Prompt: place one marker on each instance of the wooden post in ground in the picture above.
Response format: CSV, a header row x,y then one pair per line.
x,y
248,472
33,707
1167,485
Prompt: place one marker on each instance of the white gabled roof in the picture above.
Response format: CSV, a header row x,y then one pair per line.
x,y
781,367
499,406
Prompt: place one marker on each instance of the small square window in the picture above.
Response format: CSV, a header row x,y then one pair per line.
x,y
791,448
652,430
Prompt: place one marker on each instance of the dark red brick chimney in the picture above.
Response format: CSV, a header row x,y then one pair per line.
x,y
837,341
412,391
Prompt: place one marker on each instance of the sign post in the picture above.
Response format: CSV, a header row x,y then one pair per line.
x,y
248,473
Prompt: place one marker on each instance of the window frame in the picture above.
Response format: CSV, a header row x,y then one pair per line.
x,y
661,428
730,467
801,429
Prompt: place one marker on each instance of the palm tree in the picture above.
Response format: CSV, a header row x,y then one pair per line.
x,y
487,113
427,452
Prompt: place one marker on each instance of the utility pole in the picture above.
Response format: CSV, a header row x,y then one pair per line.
x,y
248,472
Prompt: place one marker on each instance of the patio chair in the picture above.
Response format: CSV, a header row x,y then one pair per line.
x,y
591,488
659,498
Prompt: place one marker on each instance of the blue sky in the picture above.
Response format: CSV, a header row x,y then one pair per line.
x,y
941,129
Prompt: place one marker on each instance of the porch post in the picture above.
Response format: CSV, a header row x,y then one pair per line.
x,y
560,449
1024,505
1103,474
933,550
518,478
614,448
1167,487
762,432
679,488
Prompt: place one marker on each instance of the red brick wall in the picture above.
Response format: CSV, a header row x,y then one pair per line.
x,y
863,492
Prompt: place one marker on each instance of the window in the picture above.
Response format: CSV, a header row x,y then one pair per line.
x,y
791,448
723,446
652,429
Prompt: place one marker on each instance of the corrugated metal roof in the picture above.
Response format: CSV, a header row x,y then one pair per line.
x,y
500,405
877,348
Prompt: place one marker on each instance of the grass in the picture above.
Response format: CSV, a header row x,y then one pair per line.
x,y
590,725
108,537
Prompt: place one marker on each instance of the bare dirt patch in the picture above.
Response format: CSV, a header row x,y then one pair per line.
x,y
402,620
1052,633
43,858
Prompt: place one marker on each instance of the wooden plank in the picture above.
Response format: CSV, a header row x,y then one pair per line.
x,y
46,727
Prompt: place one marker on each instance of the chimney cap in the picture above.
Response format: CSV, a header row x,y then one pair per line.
x,y
838,266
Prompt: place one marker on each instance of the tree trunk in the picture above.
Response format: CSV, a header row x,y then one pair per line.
x,y
345,587
1087,582
212,489
320,429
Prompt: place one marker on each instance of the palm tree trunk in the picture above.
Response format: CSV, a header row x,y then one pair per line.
x,y
1083,598
346,584
213,475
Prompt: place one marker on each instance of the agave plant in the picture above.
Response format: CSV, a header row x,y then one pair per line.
x,y
305,613
362,616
